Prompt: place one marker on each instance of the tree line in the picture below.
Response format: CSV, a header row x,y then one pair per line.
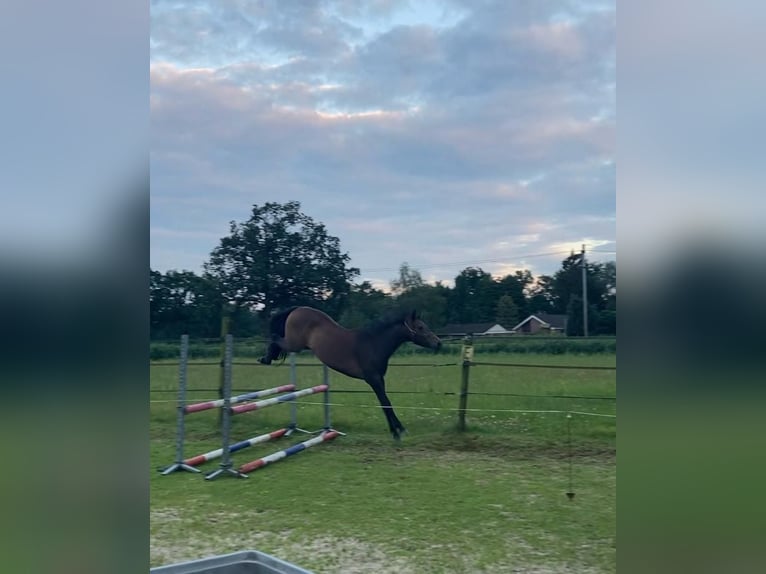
x,y
281,257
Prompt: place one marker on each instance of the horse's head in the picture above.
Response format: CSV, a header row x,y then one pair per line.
x,y
419,332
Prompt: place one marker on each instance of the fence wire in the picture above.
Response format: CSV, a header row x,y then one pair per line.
x,y
438,393
452,364
450,409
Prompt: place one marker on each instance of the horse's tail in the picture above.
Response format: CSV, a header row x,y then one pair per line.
x,y
278,321
277,331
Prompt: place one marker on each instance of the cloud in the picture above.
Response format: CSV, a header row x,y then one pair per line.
x,y
415,132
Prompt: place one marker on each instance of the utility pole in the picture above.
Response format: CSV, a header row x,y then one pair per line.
x,y
584,294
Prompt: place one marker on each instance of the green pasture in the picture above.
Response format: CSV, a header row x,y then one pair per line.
x,y
490,499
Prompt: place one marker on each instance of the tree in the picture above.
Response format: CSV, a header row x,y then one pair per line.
x,y
517,286
567,282
183,302
574,318
507,312
607,322
363,305
429,300
540,296
608,273
408,279
410,291
474,297
281,257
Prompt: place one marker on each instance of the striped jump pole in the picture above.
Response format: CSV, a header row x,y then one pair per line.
x,y
238,399
296,448
276,400
202,458
180,463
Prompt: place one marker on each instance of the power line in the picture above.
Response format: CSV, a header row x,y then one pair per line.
x,y
473,262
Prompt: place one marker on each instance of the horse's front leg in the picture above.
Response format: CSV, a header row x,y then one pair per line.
x,y
394,424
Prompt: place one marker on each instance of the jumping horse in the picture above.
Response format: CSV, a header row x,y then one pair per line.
x,y
358,353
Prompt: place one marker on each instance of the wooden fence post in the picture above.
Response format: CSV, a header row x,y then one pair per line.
x,y
467,358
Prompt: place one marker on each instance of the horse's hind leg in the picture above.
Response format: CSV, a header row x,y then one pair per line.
x,y
394,424
273,351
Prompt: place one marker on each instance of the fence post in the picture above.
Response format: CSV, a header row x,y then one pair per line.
x,y
467,358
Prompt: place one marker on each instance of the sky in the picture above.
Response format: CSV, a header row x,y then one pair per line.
x,y
445,134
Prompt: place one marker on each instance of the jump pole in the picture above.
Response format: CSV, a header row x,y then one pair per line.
x,y
213,454
226,466
275,401
180,464
326,434
238,399
296,448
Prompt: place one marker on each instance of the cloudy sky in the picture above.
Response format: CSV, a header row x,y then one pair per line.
x,y
446,134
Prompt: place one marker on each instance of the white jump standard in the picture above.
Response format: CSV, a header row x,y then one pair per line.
x,y
180,464
227,404
327,432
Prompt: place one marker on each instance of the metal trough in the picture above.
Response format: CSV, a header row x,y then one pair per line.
x,y
245,562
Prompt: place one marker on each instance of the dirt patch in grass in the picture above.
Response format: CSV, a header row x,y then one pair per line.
x,y
175,539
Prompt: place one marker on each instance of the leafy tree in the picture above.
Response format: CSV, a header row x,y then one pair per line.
x,y
507,312
608,276
574,318
281,257
363,305
567,282
183,302
408,279
410,291
429,300
474,297
607,322
517,287
540,296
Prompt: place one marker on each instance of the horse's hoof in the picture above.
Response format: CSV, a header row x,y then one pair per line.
x,y
264,361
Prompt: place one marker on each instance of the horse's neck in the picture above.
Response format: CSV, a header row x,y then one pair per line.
x,y
391,340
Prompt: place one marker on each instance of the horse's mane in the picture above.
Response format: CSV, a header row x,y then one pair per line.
x,y
388,320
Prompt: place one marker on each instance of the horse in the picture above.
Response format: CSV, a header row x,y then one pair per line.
x,y
357,353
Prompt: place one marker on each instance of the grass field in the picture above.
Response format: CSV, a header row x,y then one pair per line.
x,y
490,499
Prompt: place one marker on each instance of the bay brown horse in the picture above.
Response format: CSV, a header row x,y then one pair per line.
x,y
358,353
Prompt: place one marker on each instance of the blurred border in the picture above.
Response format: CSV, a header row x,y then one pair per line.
x,y
74,254
690,210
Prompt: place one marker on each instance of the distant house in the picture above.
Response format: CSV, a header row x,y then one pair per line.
x,y
542,322
455,329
